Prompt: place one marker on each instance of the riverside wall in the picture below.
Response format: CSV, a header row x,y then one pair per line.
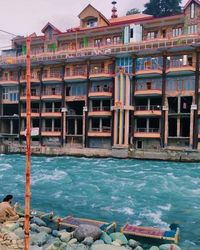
x,y
178,155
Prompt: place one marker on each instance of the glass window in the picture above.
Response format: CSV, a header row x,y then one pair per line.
x,y
177,32
91,23
151,35
192,29
192,10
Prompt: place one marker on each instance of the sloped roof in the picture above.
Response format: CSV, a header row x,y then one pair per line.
x,y
190,1
129,18
52,26
90,6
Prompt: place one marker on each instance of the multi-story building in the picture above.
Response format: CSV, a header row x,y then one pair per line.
x,y
130,80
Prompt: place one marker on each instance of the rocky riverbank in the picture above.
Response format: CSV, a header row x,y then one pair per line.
x,y
85,237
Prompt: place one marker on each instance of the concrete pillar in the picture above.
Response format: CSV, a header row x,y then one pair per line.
x,y
83,140
100,125
75,126
147,125
11,126
191,127
52,125
126,131
115,128
166,128
148,103
101,105
53,107
179,104
178,126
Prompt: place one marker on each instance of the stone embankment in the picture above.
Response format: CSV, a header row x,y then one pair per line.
x,y
168,154
85,237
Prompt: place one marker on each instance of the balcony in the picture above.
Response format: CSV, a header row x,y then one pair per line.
x,y
49,112
52,94
100,91
52,77
77,75
104,49
10,80
101,73
35,112
97,132
147,133
56,132
34,79
152,70
153,110
35,96
150,90
177,66
98,111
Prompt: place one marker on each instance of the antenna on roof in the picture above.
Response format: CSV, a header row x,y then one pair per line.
x,y
114,10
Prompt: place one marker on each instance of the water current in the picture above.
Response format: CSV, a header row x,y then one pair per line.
x,y
148,193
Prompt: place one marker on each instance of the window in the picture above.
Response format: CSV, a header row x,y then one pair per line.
x,y
116,39
10,94
108,40
151,35
148,85
131,33
91,23
192,29
192,10
177,32
97,42
139,145
148,65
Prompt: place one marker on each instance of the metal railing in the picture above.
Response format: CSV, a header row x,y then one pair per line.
x,y
103,129
104,108
146,108
76,73
33,110
149,130
95,89
37,93
51,75
144,88
51,110
52,92
48,129
9,78
101,71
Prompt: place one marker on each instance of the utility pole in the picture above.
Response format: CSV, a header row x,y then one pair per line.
x,y
28,144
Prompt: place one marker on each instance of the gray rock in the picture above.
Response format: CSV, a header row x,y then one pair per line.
x,y
168,247
117,243
72,241
138,248
77,247
39,239
45,229
154,248
87,231
9,227
98,242
34,228
20,233
65,236
88,241
106,238
55,233
38,221
107,247
35,248
119,236
133,243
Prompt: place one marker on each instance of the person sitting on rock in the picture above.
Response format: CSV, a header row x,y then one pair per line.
x,y
8,212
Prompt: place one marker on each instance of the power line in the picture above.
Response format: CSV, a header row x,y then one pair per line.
x,y
7,32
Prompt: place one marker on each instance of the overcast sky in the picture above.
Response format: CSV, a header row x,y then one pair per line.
x,y
24,17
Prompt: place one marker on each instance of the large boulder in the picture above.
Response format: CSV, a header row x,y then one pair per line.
x,y
20,233
154,248
39,239
9,227
107,247
65,237
133,243
84,231
38,221
119,236
77,247
106,238
169,247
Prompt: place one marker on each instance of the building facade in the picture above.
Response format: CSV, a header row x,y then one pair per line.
x,y
119,82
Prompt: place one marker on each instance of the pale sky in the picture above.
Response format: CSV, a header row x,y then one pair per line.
x,y
23,17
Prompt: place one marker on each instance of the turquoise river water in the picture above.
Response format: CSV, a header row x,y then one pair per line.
x,y
149,193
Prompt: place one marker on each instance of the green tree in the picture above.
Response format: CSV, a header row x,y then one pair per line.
x,y
133,11
160,8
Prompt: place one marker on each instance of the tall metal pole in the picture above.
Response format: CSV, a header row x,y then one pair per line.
x,y
28,145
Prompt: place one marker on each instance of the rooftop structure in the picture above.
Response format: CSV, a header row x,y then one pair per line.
x,y
131,80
